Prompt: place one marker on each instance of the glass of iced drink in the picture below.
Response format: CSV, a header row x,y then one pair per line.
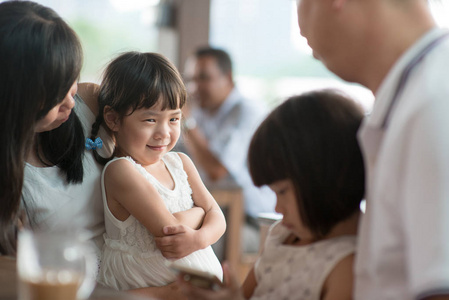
x,y
54,265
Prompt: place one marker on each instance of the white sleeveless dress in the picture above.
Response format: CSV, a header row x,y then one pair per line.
x,y
297,272
130,258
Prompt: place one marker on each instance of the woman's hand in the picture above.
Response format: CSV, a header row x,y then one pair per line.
x,y
179,241
229,291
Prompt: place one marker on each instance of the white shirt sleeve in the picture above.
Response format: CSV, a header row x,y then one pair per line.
x,y
426,200
232,143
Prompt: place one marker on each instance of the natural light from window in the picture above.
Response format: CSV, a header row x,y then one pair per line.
x,y
277,62
272,60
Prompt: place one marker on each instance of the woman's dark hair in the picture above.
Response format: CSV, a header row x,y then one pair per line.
x,y
311,140
40,59
137,80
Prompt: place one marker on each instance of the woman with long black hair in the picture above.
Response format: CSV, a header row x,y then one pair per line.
x,y
40,62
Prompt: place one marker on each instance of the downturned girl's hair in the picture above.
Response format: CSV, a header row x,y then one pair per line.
x,y
40,59
136,80
311,140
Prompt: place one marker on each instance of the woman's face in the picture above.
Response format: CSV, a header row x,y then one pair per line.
x,y
58,114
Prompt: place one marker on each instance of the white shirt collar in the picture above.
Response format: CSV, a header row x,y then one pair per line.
x,y
387,88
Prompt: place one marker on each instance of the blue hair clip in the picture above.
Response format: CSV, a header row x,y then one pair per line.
x,y
92,145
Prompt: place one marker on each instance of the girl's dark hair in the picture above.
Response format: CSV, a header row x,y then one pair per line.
x,y
311,140
136,80
40,59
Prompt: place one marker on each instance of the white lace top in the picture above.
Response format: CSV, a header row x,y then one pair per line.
x,y
130,258
290,272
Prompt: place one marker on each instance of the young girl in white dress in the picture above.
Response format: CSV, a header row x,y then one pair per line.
x,y
306,151
145,186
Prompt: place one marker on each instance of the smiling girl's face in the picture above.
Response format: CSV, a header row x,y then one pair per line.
x,y
148,133
287,205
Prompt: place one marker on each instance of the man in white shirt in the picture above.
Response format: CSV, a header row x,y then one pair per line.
x,y
218,130
394,48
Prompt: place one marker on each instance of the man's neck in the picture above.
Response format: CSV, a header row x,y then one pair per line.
x,y
398,29
213,109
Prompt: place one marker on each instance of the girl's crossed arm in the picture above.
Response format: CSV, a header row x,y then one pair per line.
x,y
181,241
129,193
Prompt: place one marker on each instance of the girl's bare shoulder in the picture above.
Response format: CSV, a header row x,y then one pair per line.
x,y
339,283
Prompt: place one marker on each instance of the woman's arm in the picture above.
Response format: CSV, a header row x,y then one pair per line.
x,y
89,93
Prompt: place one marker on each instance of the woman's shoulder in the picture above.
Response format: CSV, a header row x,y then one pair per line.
x,y
88,92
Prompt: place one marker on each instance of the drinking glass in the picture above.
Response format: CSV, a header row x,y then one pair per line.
x,y
54,265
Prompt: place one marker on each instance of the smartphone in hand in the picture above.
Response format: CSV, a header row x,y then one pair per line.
x,y
196,277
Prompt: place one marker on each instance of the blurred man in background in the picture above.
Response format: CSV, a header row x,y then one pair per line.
x,y
219,124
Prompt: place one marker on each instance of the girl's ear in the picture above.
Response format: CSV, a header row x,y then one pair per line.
x,y
111,118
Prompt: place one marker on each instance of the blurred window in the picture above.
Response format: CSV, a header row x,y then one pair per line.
x,y
107,28
272,60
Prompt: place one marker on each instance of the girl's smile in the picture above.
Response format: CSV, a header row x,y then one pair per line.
x,y
157,148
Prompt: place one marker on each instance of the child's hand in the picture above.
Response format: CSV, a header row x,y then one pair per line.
x,y
230,289
166,292
178,242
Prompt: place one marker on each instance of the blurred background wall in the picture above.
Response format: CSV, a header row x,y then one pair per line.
x,y
272,61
